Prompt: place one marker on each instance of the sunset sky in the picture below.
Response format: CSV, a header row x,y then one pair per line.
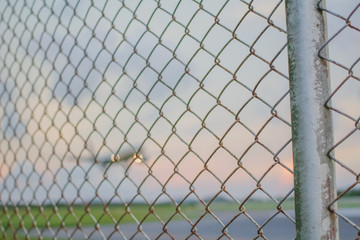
x,y
76,92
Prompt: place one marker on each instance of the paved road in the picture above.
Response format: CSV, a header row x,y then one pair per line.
x,y
279,228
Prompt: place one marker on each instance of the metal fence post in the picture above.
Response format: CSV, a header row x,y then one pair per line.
x,y
314,174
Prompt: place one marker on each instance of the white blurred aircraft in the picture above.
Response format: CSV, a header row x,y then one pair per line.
x,y
125,157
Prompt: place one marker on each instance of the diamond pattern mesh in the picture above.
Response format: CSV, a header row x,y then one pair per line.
x,y
343,58
149,119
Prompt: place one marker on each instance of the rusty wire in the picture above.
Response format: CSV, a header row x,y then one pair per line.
x,y
344,31
83,83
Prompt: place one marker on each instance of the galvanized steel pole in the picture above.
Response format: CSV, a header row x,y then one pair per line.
x,y
311,122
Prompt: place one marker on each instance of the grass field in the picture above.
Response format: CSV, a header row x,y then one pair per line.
x,y
15,219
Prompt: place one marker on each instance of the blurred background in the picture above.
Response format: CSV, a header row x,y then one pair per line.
x,y
199,88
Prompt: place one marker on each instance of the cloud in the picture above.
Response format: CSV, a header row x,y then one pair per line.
x,y
92,86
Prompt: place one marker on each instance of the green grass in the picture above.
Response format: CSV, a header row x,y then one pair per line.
x,y
20,217
349,202
50,216
22,237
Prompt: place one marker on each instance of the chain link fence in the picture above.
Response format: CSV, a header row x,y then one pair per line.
x,y
157,119
176,83
344,57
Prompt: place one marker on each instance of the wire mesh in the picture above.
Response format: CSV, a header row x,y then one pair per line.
x,y
343,58
145,120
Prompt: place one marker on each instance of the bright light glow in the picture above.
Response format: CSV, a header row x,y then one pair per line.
x,y
115,158
138,158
